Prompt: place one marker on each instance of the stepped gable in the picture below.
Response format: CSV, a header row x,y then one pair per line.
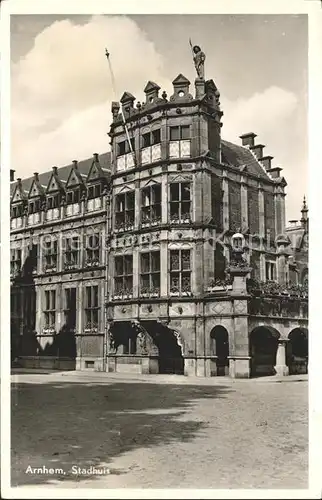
x,y
84,167
238,156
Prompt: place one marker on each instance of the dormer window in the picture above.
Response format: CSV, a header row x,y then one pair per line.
x,y
73,196
17,211
53,201
73,202
34,212
34,207
94,191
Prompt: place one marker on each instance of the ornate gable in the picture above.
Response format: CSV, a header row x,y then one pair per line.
x,y
18,194
74,178
54,183
36,188
95,172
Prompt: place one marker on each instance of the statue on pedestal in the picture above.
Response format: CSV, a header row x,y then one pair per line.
x,y
199,60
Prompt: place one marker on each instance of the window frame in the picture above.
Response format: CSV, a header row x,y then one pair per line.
x,y
179,202
124,219
180,272
153,276
92,308
123,282
50,309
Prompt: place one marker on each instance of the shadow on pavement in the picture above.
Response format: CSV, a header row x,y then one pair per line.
x,y
65,424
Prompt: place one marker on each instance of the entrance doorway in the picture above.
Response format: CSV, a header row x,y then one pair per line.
x,y
170,356
298,351
263,347
220,351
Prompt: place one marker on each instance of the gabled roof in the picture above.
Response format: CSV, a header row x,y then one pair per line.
x,y
240,156
63,173
36,188
181,79
151,86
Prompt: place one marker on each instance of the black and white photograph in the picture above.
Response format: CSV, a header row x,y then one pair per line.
x,y
157,308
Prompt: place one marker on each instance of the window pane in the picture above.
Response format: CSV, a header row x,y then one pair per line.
x,y
145,263
156,136
146,140
128,267
174,210
118,266
120,203
145,283
185,210
156,282
145,197
95,296
155,261
185,191
174,260
174,282
130,200
174,134
186,284
156,194
121,148
185,132
47,303
174,192
185,259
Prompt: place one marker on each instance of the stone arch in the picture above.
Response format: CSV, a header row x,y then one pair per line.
x,y
263,345
219,346
297,351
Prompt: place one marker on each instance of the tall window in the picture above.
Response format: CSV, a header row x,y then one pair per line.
x,y
123,275
180,133
270,271
15,261
51,255
29,308
150,273
50,308
53,201
73,196
94,191
180,202
93,250
124,147
34,206
180,272
151,138
151,204
70,308
124,210
72,252
17,211
91,308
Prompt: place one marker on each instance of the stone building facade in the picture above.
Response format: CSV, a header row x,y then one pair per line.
x,y
126,262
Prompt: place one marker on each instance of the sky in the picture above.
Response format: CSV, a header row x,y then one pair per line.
x,y
61,89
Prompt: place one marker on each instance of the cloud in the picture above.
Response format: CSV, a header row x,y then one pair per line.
x,y
62,89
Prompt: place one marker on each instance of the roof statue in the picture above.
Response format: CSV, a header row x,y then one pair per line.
x,y
199,60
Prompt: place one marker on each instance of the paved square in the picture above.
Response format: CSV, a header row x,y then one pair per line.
x,y
158,432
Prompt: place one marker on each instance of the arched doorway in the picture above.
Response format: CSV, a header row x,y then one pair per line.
x,y
298,351
219,351
263,349
170,355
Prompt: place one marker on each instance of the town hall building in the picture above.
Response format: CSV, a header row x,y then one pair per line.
x,y
168,254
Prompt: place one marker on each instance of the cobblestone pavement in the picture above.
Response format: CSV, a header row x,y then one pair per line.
x,y
159,431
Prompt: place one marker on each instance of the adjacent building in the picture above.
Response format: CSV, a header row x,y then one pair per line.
x,y
170,254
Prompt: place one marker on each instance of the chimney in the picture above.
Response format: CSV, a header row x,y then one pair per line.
x,y
267,161
274,172
95,156
12,175
248,139
36,176
55,170
257,149
75,164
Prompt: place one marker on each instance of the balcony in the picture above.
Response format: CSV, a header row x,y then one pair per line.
x,y
94,204
34,218
125,162
180,149
53,214
151,154
16,223
73,209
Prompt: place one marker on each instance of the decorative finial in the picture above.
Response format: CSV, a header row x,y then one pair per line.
x,y
164,95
